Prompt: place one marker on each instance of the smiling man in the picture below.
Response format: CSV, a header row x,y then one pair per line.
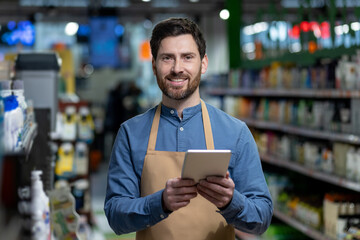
x,y
177,63
145,192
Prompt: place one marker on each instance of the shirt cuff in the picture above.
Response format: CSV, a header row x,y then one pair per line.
x,y
156,209
235,207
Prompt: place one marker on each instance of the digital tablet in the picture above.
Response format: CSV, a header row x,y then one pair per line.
x,y
199,164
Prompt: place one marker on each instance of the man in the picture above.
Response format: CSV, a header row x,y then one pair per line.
x,y
145,192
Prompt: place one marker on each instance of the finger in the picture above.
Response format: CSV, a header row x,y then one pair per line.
x,y
185,190
171,200
226,181
211,199
214,187
217,200
181,198
180,191
178,205
211,190
175,202
179,182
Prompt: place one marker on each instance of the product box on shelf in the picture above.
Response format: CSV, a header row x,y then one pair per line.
x,y
339,209
330,218
340,150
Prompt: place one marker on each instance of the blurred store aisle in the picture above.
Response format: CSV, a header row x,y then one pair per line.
x,y
102,230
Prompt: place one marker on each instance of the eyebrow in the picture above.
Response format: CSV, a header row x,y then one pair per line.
x,y
182,54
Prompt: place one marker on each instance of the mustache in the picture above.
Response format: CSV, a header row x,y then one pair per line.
x,y
177,75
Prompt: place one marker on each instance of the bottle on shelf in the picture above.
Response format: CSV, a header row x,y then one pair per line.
x,y
13,123
40,209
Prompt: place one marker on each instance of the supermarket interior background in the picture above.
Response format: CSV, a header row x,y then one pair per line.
x,y
71,71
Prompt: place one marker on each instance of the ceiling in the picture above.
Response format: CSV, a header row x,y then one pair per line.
x,y
61,10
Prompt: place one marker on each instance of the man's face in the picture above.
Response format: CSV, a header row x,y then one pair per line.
x,y
178,66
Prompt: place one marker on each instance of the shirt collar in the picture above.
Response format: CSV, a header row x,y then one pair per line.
x,y
187,112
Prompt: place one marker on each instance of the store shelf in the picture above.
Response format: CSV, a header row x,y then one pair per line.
x,y
27,143
329,178
305,132
29,138
308,231
302,58
299,93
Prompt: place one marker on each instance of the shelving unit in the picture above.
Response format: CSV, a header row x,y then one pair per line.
x,y
325,177
27,143
314,234
13,163
58,141
299,93
307,132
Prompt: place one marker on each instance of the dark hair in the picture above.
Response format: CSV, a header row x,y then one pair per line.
x,y
173,27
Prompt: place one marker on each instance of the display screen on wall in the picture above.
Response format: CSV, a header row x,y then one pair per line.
x,y
104,50
13,33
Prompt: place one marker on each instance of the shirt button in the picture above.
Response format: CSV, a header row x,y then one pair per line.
x,y
162,216
148,225
181,129
172,111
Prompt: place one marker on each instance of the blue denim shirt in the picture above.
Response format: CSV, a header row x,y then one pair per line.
x,y
251,207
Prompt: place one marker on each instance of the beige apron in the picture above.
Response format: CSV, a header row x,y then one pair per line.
x,y
198,220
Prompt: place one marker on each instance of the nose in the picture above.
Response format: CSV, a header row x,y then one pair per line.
x,y
177,67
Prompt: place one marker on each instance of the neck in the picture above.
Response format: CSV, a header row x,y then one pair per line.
x,y
180,105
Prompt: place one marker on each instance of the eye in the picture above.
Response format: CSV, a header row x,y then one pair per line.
x,y
166,58
189,57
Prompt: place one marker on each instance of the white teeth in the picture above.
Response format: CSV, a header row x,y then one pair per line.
x,y
177,80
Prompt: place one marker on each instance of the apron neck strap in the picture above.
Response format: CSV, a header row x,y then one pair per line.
x,y
154,129
207,127
206,122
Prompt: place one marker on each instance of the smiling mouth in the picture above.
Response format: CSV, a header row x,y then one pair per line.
x,y
177,79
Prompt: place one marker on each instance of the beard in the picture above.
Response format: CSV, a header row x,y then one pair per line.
x,y
178,93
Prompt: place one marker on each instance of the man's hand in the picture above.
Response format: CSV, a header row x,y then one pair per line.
x,y
218,190
178,193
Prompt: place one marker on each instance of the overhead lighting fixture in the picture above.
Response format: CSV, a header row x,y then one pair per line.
x,y
224,14
146,0
194,1
71,28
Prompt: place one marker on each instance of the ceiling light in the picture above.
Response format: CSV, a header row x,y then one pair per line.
x,y
71,28
224,14
146,0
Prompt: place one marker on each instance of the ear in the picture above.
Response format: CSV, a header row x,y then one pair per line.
x,y
153,62
204,64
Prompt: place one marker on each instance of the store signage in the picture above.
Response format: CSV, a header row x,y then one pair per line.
x,y
14,33
319,29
